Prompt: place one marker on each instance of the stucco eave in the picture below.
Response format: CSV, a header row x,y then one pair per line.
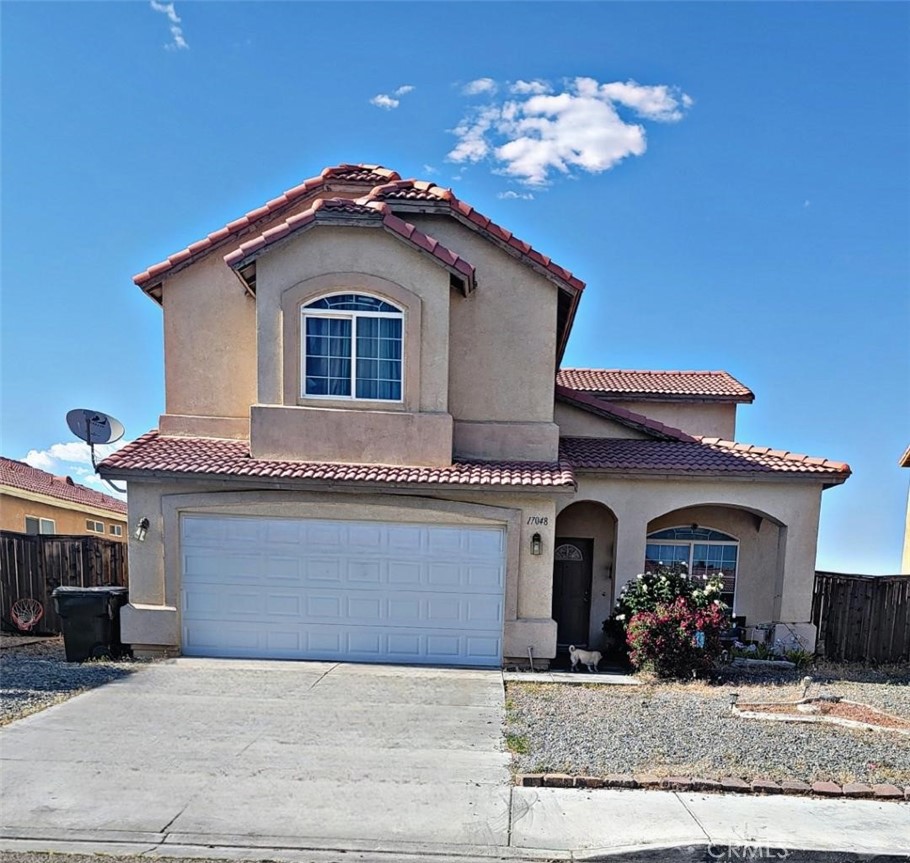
x,y
271,483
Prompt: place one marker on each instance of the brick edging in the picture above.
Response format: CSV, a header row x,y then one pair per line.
x,y
851,790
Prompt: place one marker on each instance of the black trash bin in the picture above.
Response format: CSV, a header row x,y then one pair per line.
x,y
91,621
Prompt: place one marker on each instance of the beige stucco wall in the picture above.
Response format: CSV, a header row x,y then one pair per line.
x,y
152,619
702,418
639,502
209,344
506,441
328,258
359,436
503,341
575,422
591,520
16,504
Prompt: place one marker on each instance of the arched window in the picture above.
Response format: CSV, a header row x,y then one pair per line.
x,y
704,552
351,348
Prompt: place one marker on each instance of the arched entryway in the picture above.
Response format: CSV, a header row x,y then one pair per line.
x,y
583,573
740,545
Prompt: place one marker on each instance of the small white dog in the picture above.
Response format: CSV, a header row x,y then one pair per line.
x,y
590,658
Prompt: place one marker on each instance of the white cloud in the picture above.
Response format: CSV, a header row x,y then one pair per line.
x,y
479,86
535,87
73,458
653,103
383,101
178,40
532,135
429,169
516,196
387,102
472,132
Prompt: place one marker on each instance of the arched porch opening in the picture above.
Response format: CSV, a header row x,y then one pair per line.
x,y
583,565
742,545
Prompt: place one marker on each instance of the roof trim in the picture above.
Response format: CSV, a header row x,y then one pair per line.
x,y
905,458
628,418
341,211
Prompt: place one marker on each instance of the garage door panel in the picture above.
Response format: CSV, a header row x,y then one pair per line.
x,y
369,591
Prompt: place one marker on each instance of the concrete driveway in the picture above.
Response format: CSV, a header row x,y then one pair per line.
x,y
232,752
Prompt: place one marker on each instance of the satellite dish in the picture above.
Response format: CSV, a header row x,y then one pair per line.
x,y
94,427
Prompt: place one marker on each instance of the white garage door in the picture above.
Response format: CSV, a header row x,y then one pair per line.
x,y
347,590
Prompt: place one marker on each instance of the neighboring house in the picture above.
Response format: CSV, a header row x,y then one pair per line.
x,y
905,558
35,501
366,452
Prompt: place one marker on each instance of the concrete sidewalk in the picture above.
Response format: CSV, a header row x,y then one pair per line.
x,y
552,824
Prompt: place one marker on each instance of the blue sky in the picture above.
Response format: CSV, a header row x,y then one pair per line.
x,y
731,181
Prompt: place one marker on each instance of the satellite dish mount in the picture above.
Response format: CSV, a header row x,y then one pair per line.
x,y
95,427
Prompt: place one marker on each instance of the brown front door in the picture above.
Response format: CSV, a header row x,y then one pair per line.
x,y
572,591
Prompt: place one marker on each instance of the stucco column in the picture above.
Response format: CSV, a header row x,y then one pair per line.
x,y
146,559
631,533
797,562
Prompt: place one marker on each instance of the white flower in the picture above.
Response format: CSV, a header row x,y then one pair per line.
x,y
620,617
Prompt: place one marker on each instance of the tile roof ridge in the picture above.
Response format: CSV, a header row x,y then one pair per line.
x,y
621,414
248,219
473,218
366,207
786,455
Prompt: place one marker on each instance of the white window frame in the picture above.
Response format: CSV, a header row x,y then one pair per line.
x,y
348,316
116,530
94,526
693,542
42,522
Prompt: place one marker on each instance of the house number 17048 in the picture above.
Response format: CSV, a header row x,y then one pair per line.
x,y
538,519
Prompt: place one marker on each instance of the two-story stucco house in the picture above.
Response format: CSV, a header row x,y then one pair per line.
x,y
368,452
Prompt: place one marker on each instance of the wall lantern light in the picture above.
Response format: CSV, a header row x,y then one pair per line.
x,y
142,529
536,544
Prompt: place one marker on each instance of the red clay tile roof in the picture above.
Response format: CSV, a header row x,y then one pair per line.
x,y
628,418
19,475
628,383
208,456
386,185
367,175
710,456
369,214
421,193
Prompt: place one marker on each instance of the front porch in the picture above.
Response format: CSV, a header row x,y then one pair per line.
x,y
760,538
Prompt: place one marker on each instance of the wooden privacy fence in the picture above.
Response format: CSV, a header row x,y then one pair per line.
x,y
862,618
33,565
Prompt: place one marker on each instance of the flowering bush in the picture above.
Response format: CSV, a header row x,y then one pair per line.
x,y
676,639
664,585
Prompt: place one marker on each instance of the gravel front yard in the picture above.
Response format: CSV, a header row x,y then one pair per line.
x,y
689,730
36,675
